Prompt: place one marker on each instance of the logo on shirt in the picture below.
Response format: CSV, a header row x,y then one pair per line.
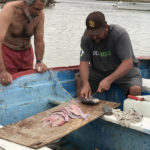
x,y
81,52
102,53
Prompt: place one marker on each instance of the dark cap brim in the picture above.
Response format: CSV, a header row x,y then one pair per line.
x,y
91,32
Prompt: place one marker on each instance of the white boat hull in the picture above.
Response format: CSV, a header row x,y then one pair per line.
x,y
132,6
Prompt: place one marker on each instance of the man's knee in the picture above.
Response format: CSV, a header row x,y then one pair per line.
x,y
78,84
135,90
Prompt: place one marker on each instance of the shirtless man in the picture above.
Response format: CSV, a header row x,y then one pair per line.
x,y
108,50
19,20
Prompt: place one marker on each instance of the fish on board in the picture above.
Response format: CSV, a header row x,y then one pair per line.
x,y
90,100
62,116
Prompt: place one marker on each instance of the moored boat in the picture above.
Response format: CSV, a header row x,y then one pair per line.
x,y
32,93
132,6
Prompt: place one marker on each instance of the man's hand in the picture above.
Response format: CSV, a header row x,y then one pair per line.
x,y
5,78
86,91
41,67
104,85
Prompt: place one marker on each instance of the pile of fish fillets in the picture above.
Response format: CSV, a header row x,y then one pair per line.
x,y
62,116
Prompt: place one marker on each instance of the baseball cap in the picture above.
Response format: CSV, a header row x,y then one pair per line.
x,y
95,23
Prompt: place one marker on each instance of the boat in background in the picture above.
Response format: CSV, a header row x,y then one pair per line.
x,y
132,6
31,93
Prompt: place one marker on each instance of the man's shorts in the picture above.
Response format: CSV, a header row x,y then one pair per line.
x,y
16,61
132,78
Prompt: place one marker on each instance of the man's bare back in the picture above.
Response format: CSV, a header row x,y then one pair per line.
x,y
21,29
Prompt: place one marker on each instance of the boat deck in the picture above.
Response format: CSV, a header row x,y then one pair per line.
x,y
32,133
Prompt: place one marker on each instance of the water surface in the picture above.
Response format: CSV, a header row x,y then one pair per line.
x,y
65,24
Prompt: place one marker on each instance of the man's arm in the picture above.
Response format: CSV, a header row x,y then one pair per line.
x,y
84,72
5,19
6,16
122,70
124,52
84,75
39,45
85,56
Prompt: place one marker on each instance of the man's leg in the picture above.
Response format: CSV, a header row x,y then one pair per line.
x,y
135,90
131,83
93,84
78,84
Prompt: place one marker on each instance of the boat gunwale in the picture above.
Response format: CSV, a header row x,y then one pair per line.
x,y
28,72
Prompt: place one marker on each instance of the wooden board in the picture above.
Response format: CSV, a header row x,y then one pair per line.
x,y
32,133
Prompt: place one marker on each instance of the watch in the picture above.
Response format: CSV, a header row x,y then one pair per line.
x,y
38,61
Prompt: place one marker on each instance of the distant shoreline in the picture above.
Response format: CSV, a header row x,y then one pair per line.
x,y
140,1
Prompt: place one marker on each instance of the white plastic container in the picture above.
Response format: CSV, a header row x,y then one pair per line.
x,y
141,107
